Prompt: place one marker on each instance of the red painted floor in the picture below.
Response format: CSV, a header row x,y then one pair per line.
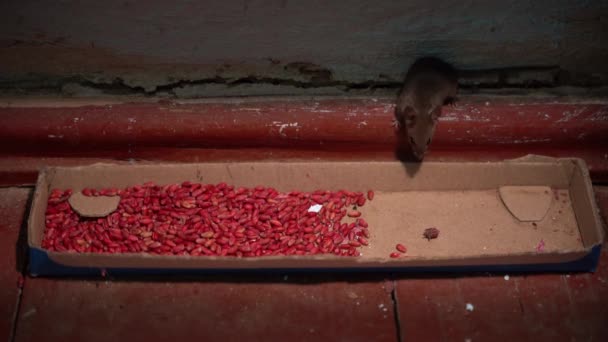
x,y
298,308
13,202
38,133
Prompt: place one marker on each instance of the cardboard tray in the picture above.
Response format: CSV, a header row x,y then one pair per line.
x,y
478,233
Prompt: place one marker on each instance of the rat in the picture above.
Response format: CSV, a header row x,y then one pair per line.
x,y
429,84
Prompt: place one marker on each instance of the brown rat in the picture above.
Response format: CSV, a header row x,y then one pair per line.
x,y
429,84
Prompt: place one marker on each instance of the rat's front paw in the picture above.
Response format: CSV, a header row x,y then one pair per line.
x,y
396,124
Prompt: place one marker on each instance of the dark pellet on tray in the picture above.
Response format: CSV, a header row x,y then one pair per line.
x,y
431,233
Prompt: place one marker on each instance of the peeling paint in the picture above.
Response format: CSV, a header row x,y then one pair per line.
x,y
283,126
572,115
283,121
601,115
448,118
522,141
464,117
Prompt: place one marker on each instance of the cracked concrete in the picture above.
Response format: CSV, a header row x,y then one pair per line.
x,y
318,83
189,49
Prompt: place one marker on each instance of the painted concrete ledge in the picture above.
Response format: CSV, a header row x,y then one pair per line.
x,y
68,132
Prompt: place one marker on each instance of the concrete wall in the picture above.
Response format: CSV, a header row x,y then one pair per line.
x,y
193,48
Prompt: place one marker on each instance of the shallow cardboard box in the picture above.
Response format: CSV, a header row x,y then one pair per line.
x,y
478,233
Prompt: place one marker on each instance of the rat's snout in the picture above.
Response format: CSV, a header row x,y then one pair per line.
x,y
420,137
419,150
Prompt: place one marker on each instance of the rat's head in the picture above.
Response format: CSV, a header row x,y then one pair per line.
x,y
420,125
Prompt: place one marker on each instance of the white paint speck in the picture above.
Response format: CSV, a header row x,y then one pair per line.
x,y
507,277
132,120
315,208
571,115
29,313
283,126
448,118
470,307
380,306
53,136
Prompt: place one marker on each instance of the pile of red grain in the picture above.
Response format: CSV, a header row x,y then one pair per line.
x,y
205,219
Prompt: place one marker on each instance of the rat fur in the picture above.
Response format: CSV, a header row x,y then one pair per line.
x,y
429,84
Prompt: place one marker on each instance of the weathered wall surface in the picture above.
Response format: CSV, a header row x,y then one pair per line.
x,y
191,48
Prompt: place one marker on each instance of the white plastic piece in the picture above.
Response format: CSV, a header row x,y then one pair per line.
x,y
315,208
